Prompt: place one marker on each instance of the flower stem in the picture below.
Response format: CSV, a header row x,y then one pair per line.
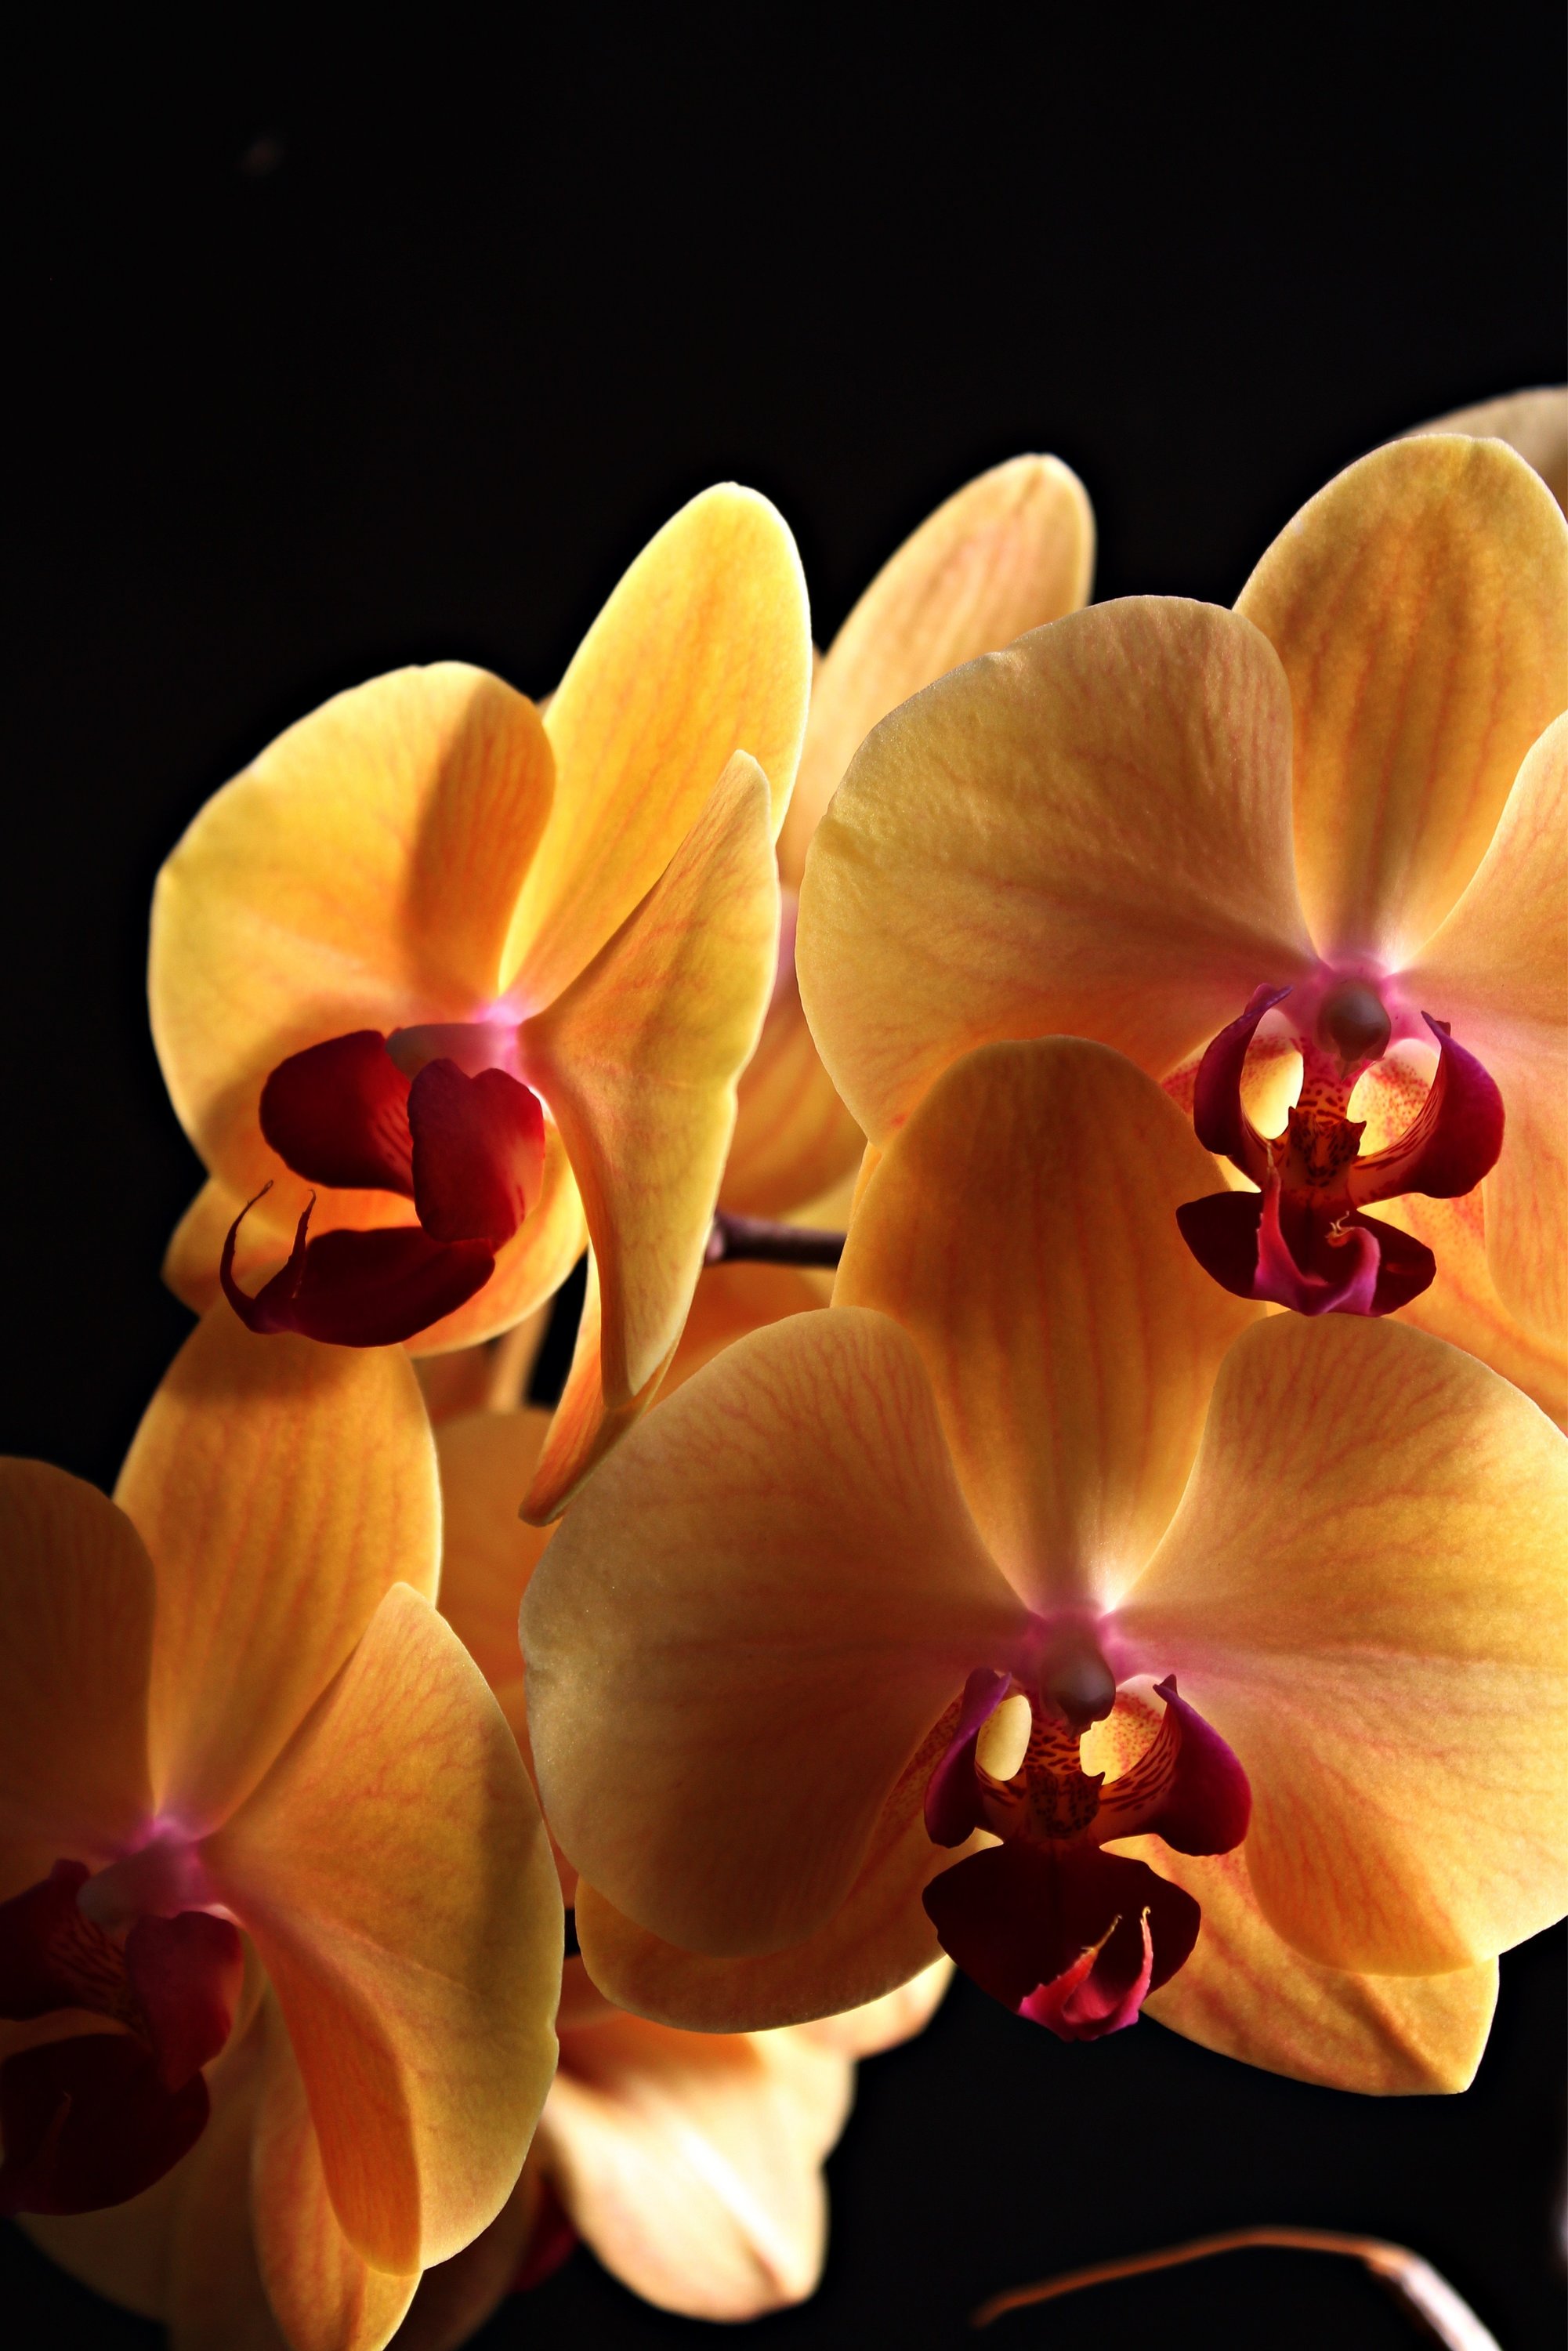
x,y
757,1241
1420,2292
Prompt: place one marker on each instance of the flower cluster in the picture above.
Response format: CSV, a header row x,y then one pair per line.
x,y
1135,1575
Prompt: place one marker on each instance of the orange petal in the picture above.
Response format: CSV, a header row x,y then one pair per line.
x,y
1245,1992
489,1377
887,2023
638,1060
744,1628
360,874
76,1597
1418,604
1496,971
793,1137
1010,550
690,2162
704,650
395,1872
280,1487
1022,1230
1462,1304
877,1940
326,2297
1362,1590
1088,834
488,1553
730,1301
1533,422
584,1427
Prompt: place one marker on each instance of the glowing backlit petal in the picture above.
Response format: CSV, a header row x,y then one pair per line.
x,y
1010,550
584,1429
280,1487
638,1060
878,2025
793,1137
1534,423
76,1597
395,1872
735,1297
487,1552
689,2161
326,2297
1500,960
703,650
1247,1994
1072,1365
1088,834
1463,1306
877,1940
710,1756
360,874
1419,604
1363,1590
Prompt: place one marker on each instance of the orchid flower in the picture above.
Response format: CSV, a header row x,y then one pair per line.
x,y
441,984
690,2163
1329,825
239,1747
1012,549
849,1602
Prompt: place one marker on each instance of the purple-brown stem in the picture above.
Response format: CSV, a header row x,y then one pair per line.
x,y
758,1240
1420,2291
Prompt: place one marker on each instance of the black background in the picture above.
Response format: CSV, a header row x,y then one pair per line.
x,y
331,354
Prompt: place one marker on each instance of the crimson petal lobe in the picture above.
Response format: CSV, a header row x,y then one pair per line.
x,y
359,1289
478,1153
1218,1120
337,1115
185,1973
1453,1141
87,2122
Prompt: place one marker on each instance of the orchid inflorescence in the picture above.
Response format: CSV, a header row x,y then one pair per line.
x,y
1013,1504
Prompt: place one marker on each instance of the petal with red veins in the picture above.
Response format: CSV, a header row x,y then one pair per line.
x,y
478,1153
338,1114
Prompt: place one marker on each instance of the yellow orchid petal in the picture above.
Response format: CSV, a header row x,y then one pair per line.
x,y
281,1487
877,1940
487,1552
77,1598
1010,550
704,650
884,2023
638,1061
689,2162
1245,1992
711,1760
1533,422
360,874
1419,604
1496,971
395,1872
1089,834
793,1137
584,1429
326,2296
1362,1590
734,1298
1022,1230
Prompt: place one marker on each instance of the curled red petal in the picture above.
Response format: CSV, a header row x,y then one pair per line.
x,y
359,1289
88,2122
1453,1139
1258,1247
1058,1932
53,1956
338,1114
478,1153
1218,1120
185,1973
953,1793
1187,1786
